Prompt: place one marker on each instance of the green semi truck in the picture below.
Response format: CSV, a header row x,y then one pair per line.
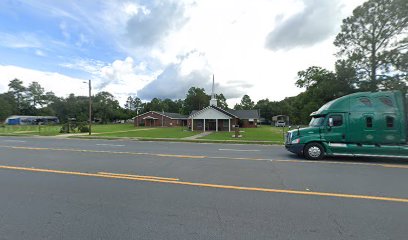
x,y
359,124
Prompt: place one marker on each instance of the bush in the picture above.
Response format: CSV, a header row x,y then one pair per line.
x,y
83,129
64,128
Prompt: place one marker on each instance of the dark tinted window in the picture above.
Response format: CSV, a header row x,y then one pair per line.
x,y
365,101
337,120
387,101
369,122
390,122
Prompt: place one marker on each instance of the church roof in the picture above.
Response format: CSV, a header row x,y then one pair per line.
x,y
241,114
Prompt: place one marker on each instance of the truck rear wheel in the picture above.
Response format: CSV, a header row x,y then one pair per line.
x,y
313,151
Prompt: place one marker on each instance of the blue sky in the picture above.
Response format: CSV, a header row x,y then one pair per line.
x,y
42,36
160,48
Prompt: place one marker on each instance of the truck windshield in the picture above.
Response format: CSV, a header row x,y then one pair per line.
x,y
316,122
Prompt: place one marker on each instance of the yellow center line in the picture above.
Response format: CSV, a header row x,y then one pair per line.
x,y
138,176
256,189
394,166
179,156
208,157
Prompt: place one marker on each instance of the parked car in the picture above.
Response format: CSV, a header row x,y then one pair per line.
x,y
280,123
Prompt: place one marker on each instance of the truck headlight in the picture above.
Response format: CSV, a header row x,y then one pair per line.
x,y
296,141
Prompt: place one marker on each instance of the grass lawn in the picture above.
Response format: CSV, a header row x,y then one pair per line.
x,y
30,130
262,133
145,132
105,128
52,130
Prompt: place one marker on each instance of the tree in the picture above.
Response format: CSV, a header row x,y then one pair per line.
x,y
375,40
171,106
129,105
322,84
7,105
50,98
247,103
221,101
18,90
106,107
266,109
137,104
72,107
35,94
156,104
238,106
196,99
132,106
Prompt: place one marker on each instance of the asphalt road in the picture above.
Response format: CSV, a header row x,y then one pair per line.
x,y
102,189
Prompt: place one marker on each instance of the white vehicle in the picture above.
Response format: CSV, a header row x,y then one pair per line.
x,y
280,123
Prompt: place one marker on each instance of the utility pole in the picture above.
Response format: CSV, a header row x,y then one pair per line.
x,y
90,107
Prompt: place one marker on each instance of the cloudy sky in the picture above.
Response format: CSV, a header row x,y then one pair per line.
x,y
161,48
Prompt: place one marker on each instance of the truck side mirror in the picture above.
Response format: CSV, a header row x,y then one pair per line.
x,y
331,122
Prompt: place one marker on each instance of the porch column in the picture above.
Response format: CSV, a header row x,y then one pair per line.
x,y
216,125
229,124
192,124
204,125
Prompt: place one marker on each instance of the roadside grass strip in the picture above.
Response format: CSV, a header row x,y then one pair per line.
x,y
124,131
207,185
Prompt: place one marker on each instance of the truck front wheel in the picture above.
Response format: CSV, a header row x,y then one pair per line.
x,y
313,151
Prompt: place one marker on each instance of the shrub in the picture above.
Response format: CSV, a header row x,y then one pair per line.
x,y
83,129
64,128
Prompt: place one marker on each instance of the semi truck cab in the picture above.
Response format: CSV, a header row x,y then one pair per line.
x,y
360,124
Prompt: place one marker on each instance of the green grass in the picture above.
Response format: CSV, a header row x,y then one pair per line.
x,y
157,132
52,130
30,130
262,133
105,128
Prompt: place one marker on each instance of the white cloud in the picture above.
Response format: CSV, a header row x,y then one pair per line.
x,y
64,30
121,77
40,53
191,70
91,66
318,20
226,38
20,40
230,37
60,84
125,72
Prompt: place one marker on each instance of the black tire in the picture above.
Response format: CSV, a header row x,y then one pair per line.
x,y
313,151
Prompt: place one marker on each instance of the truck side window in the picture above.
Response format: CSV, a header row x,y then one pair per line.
x,y
390,122
387,101
366,101
369,122
337,120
